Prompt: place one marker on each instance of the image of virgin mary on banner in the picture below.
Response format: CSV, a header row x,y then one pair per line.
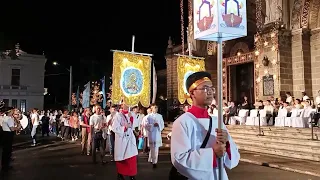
x,y
185,67
131,79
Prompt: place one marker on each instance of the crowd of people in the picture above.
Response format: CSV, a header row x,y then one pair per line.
x,y
121,130
271,106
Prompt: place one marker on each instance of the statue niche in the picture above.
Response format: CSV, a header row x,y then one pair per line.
x,y
273,11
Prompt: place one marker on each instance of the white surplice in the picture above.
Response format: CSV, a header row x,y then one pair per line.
x,y
188,133
125,142
154,133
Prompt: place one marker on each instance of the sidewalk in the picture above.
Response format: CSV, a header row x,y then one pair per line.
x,y
294,165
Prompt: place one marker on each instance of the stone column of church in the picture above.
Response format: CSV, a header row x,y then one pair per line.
x,y
285,63
301,62
315,60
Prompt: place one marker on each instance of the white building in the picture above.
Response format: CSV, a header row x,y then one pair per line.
x,y
22,81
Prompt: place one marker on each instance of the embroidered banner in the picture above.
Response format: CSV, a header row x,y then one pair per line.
x,y
131,79
185,67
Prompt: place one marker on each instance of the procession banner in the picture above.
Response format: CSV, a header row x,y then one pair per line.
x,y
131,79
219,19
185,67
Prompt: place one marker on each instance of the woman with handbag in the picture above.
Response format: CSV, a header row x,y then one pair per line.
x,y
196,143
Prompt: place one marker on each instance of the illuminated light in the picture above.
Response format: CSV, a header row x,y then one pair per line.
x,y
266,72
256,39
239,53
197,66
242,57
257,53
265,43
274,61
125,60
274,76
140,61
273,48
249,56
257,65
258,79
273,35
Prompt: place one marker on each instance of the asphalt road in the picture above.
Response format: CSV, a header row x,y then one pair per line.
x,y
62,160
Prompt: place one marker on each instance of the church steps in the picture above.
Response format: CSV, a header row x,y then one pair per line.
x,y
280,152
300,148
272,128
275,139
296,135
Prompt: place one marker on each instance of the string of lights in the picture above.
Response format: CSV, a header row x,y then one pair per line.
x,y
182,26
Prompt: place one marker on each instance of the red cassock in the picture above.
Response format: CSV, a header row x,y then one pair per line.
x,y
127,167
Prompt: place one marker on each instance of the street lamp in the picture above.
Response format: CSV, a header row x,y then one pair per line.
x,y
70,84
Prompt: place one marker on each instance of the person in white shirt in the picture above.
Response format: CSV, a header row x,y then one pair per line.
x,y
144,131
110,133
35,123
65,129
154,126
317,99
289,98
8,127
305,96
97,123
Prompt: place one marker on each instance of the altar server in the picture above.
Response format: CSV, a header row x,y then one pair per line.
x,y
125,148
154,126
189,131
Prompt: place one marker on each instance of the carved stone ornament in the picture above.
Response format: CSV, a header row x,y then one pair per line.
x,y
265,61
296,14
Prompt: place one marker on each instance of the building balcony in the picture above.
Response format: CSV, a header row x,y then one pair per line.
x,y
10,87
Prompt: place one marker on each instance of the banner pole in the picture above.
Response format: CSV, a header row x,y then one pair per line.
x,y
132,46
220,97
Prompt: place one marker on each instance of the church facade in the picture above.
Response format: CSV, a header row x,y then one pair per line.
x,y
280,54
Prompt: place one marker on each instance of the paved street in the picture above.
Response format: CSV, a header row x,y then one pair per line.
x,y
62,160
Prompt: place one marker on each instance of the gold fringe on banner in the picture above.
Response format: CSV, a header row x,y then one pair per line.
x,y
131,79
185,67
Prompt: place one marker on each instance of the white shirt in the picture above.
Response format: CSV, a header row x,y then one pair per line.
x,y
35,119
7,123
1,120
305,97
96,121
289,99
317,100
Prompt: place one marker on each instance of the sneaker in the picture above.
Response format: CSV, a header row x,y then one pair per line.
x,y
33,145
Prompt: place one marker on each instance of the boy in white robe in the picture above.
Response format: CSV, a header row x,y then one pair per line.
x,y
189,131
154,126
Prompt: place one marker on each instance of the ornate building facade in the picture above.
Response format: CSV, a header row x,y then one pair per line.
x,y
280,54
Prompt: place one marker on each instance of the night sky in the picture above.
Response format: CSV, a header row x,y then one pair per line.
x,y
82,33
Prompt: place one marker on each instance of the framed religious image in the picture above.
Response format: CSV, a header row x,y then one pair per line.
x,y
268,85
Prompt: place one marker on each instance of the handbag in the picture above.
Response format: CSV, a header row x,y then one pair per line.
x,y
174,174
140,142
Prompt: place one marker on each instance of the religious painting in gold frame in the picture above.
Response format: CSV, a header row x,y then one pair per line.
x,y
131,79
185,67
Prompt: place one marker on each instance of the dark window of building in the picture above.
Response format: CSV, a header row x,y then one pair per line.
x,y
14,103
23,105
15,77
6,102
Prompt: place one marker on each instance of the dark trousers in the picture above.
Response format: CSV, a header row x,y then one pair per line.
x,y
45,129
98,141
145,145
111,138
7,148
65,131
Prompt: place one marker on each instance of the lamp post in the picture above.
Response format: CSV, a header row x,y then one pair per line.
x,y
70,84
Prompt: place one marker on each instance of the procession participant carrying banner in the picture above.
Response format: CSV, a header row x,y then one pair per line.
x,y
185,67
131,78
219,20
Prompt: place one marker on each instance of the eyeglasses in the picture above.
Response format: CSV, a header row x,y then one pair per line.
x,y
207,89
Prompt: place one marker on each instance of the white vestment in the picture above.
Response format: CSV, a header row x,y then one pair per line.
x,y
154,135
188,133
125,142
